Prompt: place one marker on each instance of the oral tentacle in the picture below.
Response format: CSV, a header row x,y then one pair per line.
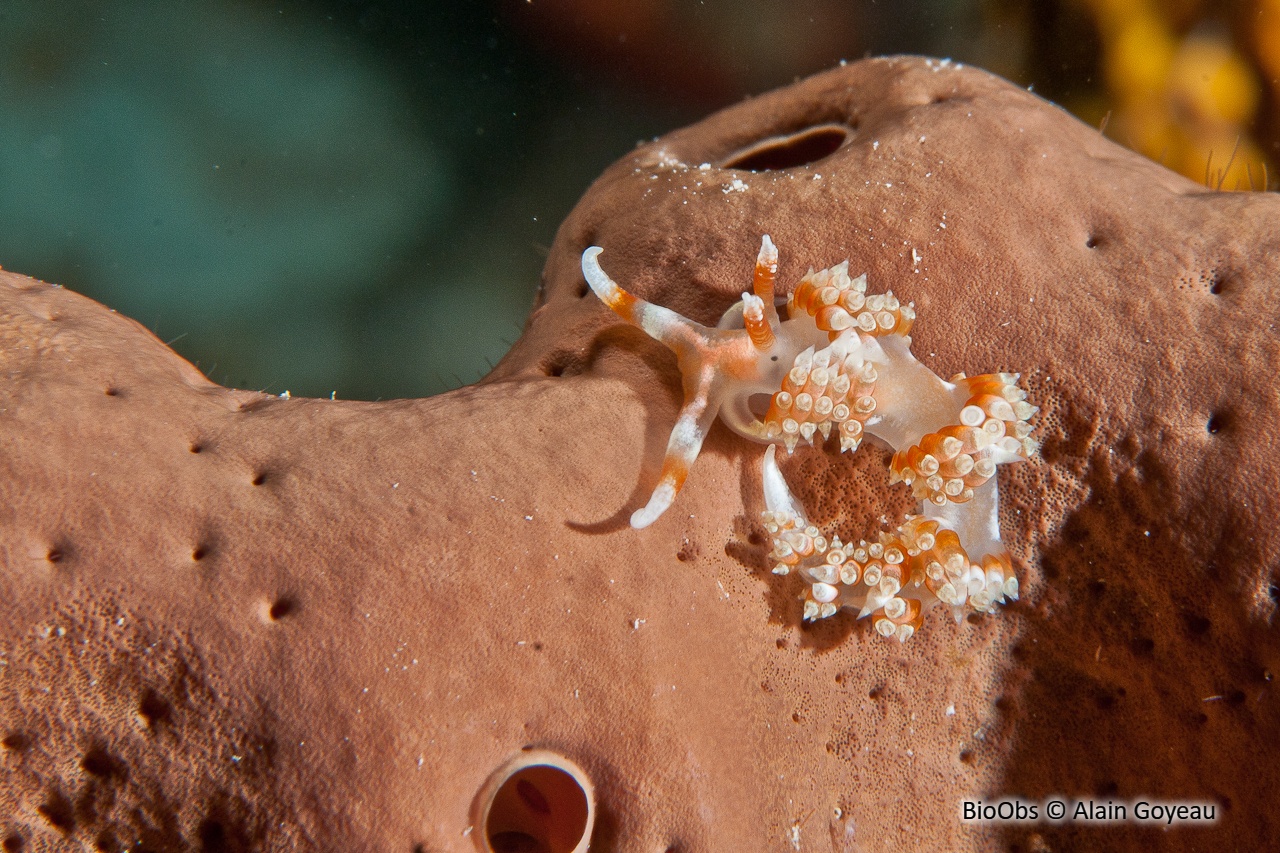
x,y
690,430
661,324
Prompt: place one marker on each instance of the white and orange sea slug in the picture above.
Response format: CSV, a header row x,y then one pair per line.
x,y
841,363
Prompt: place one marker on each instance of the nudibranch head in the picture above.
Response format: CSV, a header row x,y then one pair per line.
x,y
841,363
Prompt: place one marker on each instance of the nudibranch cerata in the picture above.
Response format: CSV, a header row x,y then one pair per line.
x,y
841,363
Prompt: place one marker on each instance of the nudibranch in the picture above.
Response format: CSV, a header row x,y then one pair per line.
x,y
841,363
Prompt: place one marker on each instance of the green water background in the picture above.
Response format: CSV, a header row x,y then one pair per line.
x,y
357,198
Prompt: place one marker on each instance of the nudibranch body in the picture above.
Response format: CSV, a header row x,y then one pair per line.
x,y
841,362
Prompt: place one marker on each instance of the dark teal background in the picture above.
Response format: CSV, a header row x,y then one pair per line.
x,y
357,198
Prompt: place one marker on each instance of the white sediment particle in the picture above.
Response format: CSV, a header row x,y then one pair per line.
x,y
734,186
666,161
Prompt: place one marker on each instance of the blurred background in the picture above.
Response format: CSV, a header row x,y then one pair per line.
x,y
329,196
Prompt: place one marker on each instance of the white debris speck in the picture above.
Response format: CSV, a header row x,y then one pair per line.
x,y
875,145
636,623
528,518
951,710
666,161
705,167
734,186
915,258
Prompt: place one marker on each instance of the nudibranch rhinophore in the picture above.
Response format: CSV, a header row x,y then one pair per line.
x,y
841,362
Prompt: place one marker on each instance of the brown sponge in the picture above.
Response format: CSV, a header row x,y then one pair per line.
x,y
231,621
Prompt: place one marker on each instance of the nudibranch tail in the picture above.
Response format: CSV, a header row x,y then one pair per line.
x,y
777,497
